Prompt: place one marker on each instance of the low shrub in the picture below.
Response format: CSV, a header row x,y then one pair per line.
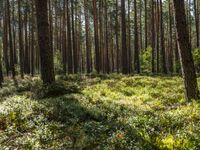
x,y
56,89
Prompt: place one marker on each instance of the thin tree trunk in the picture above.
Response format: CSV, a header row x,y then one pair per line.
x,y
153,35
196,12
1,71
146,32
117,37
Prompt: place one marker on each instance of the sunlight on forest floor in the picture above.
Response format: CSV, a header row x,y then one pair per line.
x,y
98,112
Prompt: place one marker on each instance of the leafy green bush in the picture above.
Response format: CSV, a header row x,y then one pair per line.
x,y
196,56
58,62
146,57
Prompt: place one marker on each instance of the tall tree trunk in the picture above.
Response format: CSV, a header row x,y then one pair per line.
x,y
153,35
46,54
196,12
1,71
146,32
12,66
137,59
141,36
70,59
170,52
124,46
64,40
129,39
162,40
97,60
26,54
117,37
101,35
107,63
87,29
74,39
187,62
32,40
5,39
14,32
157,36
51,30
21,43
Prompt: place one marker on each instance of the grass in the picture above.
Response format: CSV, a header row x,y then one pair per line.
x,y
108,112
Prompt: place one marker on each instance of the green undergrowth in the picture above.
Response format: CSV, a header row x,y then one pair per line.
x,y
111,112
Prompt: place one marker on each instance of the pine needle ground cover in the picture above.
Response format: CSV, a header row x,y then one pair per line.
x,y
98,112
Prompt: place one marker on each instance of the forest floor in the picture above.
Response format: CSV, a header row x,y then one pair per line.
x,y
111,112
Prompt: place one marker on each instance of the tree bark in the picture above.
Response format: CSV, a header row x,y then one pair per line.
x,y
70,59
137,57
124,46
12,65
20,34
97,60
46,54
184,46
162,40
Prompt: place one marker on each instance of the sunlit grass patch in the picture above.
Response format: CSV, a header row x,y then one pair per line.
x,y
107,112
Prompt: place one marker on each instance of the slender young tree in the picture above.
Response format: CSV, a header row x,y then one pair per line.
x,y
184,46
46,54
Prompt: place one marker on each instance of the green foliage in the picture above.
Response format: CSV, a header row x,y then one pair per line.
x,y
146,57
58,62
105,112
196,56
